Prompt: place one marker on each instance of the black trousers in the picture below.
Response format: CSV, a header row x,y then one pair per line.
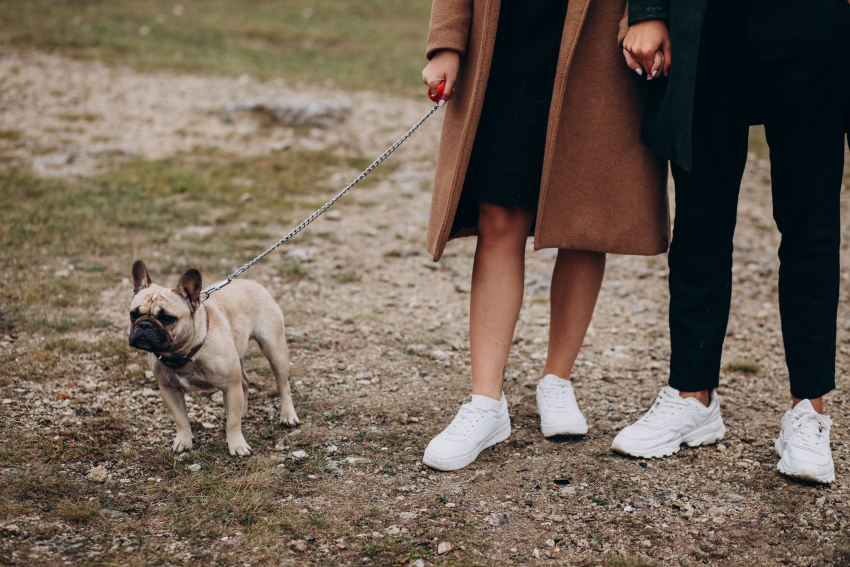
x,y
786,64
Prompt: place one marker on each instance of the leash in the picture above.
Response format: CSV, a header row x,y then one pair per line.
x,y
434,97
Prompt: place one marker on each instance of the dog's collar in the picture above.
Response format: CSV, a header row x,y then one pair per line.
x,y
177,362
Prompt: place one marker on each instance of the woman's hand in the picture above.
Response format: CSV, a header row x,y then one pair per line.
x,y
444,66
647,48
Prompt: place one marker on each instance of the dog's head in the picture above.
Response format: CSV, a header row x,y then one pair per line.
x,y
162,320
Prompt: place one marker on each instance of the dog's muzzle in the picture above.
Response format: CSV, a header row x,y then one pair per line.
x,y
147,335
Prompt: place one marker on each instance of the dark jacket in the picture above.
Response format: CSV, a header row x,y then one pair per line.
x,y
670,102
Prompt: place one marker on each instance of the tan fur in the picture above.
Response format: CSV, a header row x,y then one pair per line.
x,y
241,311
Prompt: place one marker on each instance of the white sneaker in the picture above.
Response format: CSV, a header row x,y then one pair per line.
x,y
556,403
671,421
472,430
803,444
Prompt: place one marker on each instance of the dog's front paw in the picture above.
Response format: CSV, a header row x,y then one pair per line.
x,y
239,447
289,418
182,443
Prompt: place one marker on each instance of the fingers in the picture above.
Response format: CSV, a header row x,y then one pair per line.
x,y
657,65
667,53
449,89
632,63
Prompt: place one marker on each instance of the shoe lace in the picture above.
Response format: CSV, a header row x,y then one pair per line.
x,y
666,405
811,427
465,420
557,397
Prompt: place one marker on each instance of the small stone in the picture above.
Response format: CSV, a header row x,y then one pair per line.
x,y
628,509
393,530
500,519
568,491
98,474
536,553
89,386
444,548
194,467
331,449
207,425
299,454
403,418
550,542
298,545
645,543
418,563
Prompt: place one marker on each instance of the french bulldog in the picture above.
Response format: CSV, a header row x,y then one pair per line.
x,y
197,345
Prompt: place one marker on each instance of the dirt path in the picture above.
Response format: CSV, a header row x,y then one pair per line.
x,y
378,337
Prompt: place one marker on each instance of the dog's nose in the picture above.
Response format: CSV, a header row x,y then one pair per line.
x,y
146,325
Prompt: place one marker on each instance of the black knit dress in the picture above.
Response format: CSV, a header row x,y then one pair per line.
x,y
506,164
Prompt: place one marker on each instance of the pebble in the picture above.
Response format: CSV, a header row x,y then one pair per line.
x,y
568,491
299,454
444,548
550,542
418,563
98,474
194,467
207,425
628,509
645,543
298,545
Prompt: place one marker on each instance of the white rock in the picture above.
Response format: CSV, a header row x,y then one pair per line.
x,y
331,449
628,509
444,548
98,474
299,454
207,425
550,542
194,467
418,563
568,491
536,553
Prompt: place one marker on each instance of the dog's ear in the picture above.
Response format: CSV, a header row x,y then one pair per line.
x,y
141,279
189,286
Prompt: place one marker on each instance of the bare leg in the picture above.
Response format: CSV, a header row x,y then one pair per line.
x,y
233,402
817,403
176,403
575,286
497,287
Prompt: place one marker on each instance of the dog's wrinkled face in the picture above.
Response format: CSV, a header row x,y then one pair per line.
x,y
162,320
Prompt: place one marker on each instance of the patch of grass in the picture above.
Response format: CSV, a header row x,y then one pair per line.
x,y
365,43
347,277
292,270
598,500
11,135
78,512
743,367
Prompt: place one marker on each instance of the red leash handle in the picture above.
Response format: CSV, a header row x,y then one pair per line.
x,y
439,94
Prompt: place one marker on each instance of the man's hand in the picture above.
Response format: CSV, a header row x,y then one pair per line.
x,y
444,66
647,48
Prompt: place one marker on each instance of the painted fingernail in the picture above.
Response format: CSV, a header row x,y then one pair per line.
x,y
654,73
639,71
441,103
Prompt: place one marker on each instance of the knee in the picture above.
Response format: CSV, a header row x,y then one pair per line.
x,y
496,222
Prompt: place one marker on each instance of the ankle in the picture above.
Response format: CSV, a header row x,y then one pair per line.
x,y
817,403
703,396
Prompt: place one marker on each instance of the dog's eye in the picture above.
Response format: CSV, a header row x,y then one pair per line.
x,y
166,318
134,315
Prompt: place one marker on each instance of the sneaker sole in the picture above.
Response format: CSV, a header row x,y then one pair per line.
x,y
497,436
694,439
571,429
803,475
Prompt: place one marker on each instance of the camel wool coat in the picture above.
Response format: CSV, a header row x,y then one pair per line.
x,y
602,190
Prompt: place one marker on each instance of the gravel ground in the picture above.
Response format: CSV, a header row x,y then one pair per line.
x,y
379,343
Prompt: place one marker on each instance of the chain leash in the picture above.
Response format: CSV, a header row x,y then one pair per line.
x,y
209,291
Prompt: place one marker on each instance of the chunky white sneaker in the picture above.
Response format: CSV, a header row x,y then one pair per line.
x,y
671,421
803,444
473,429
556,403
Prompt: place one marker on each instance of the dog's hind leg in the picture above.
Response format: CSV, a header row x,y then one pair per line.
x,y
273,345
244,388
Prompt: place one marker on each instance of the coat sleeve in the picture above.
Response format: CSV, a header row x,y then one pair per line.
x,y
451,21
640,10
624,27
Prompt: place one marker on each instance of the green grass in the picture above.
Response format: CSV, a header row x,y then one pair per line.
x,y
364,43
62,242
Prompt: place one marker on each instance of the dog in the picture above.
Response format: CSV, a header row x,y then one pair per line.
x,y
196,345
